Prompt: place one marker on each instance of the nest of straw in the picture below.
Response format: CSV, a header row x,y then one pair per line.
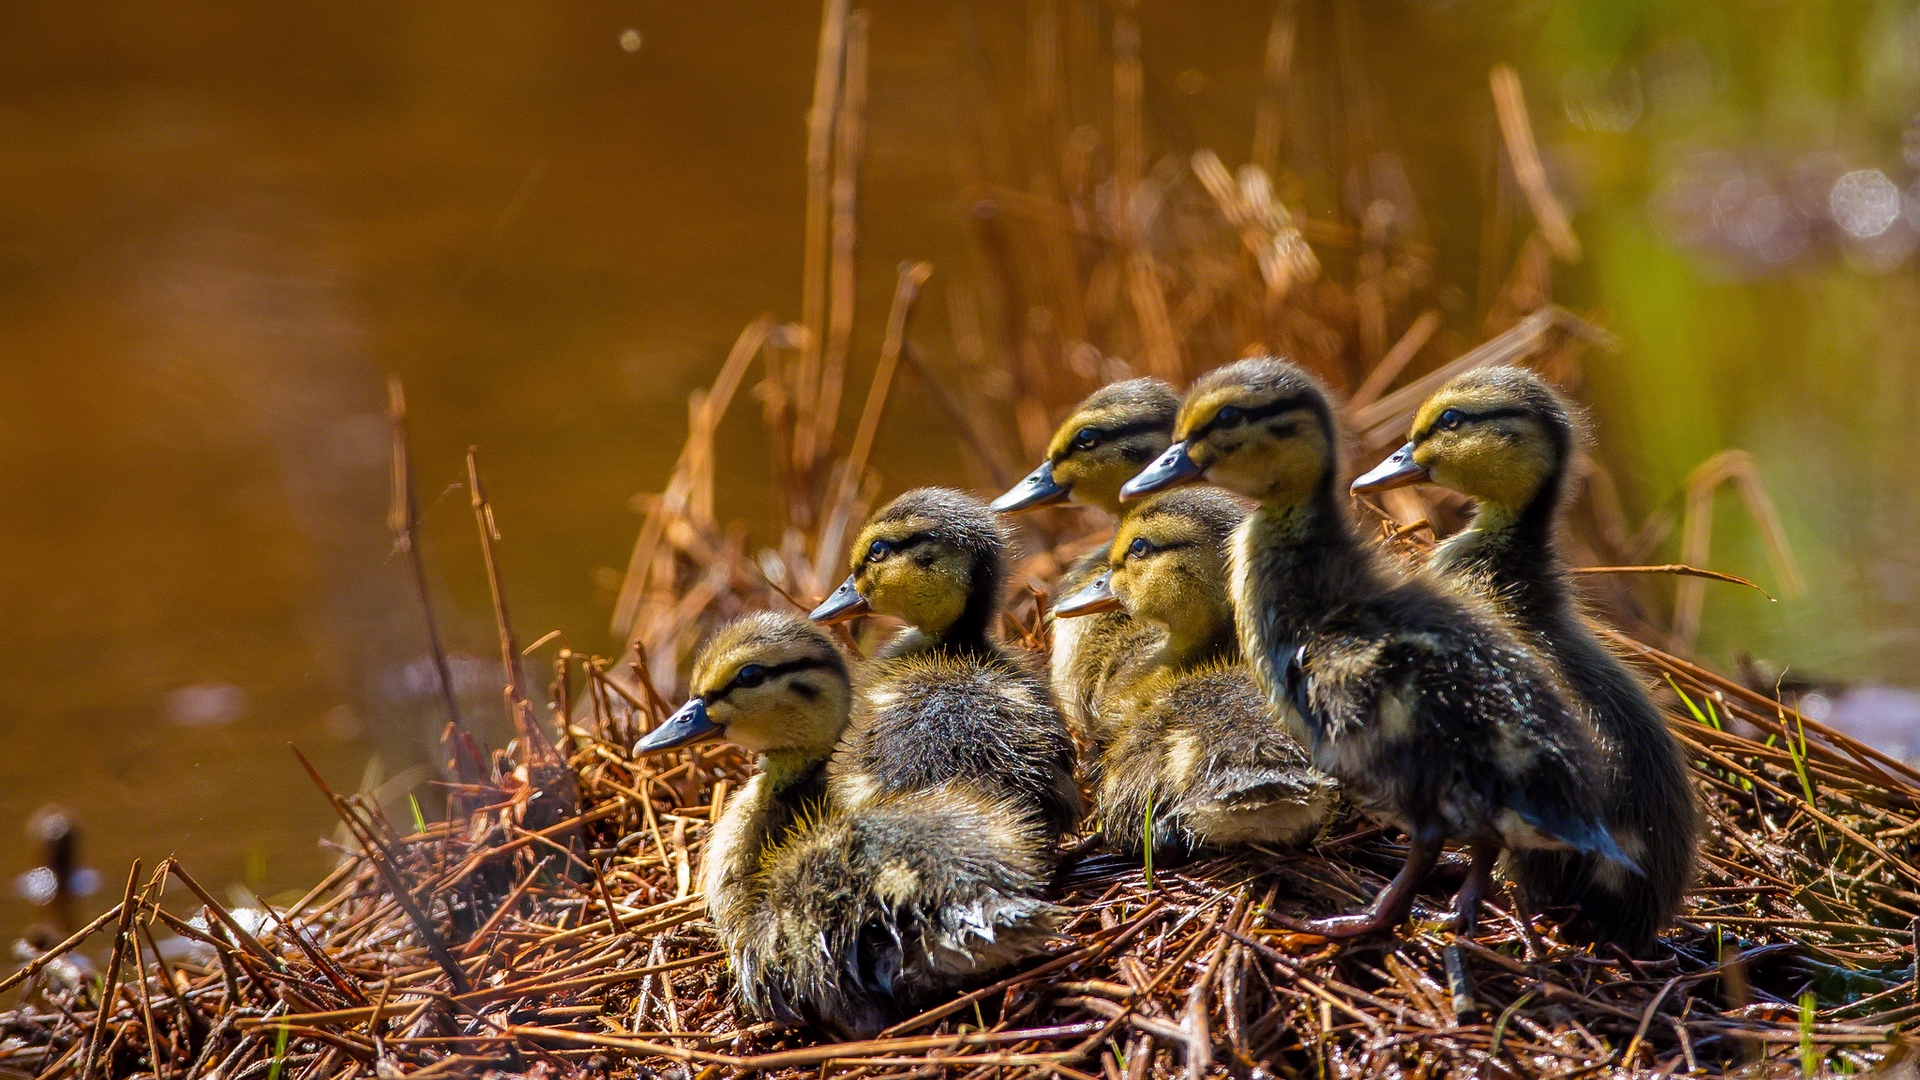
x,y
567,939
550,924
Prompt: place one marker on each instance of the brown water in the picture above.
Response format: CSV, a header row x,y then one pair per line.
x,y
223,227
225,224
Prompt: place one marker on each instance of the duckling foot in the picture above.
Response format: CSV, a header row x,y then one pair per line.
x,y
1395,902
1466,904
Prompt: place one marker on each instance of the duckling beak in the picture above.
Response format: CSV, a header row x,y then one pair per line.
x,y
844,604
688,724
1170,469
1038,489
1093,599
1398,470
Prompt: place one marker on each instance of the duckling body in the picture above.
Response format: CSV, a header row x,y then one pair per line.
x,y
1097,448
1428,713
944,700
1194,748
850,919
1506,438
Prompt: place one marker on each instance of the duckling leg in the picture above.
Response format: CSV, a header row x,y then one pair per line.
x,y
1395,902
1466,904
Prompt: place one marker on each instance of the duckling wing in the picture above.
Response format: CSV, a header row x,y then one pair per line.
x,y
910,897
1586,835
1203,748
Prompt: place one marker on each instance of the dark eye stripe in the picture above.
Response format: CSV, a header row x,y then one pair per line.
x,y
1108,435
768,674
1473,418
1255,414
895,547
908,542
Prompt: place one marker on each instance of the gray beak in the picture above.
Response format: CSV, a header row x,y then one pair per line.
x,y
1398,470
1038,489
688,724
1170,469
844,604
1095,598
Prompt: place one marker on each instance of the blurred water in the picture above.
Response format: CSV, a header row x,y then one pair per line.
x,y
225,224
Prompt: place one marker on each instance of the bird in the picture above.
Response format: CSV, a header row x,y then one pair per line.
x,y
1504,437
850,918
944,699
1101,444
1432,717
1196,759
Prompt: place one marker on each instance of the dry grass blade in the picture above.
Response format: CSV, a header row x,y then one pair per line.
x,y
1677,570
1510,103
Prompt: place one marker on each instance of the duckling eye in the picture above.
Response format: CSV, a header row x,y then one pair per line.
x,y
1087,438
1452,418
1228,416
750,676
1139,548
878,550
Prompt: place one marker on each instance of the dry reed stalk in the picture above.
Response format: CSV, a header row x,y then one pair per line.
x,y
1268,122
696,458
1510,104
403,520
814,270
849,144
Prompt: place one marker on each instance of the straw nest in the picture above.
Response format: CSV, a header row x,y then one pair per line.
x,y
550,924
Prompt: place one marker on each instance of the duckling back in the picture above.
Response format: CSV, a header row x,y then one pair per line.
x,y
928,718
883,911
1199,755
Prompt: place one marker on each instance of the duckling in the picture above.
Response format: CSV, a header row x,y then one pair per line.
x,y
1428,713
1098,447
850,920
1506,438
944,699
1195,749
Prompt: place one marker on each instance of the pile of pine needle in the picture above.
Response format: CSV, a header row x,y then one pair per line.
x,y
551,925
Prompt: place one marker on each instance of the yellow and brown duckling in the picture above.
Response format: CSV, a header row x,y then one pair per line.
x,y
1506,438
848,918
1195,753
945,700
1099,446
1429,714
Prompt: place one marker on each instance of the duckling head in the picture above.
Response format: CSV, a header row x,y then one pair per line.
x,y
933,557
1168,565
1261,427
1500,435
1103,443
772,683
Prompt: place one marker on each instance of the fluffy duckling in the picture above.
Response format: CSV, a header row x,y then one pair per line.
x,y
1424,709
945,700
1195,749
1098,447
851,920
1506,438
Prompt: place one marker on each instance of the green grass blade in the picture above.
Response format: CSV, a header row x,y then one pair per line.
x,y
1149,843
